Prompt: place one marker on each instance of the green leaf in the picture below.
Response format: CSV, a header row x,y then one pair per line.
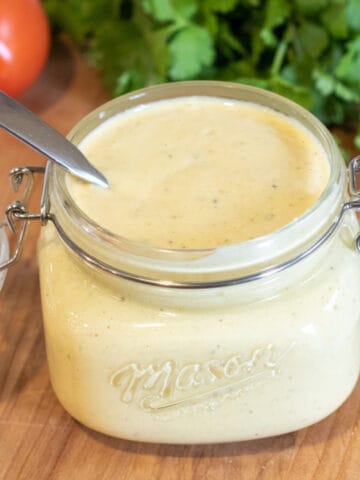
x,y
345,93
290,73
160,10
120,50
268,37
324,83
313,39
334,20
191,49
170,10
309,7
277,11
252,3
357,137
352,12
236,70
186,8
328,85
210,21
299,70
129,80
220,6
80,18
159,50
348,68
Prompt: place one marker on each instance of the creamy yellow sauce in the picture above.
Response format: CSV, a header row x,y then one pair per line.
x,y
201,172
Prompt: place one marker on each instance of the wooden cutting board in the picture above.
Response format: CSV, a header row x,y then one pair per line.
x,y
39,440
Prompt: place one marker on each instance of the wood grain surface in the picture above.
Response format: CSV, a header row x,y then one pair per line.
x,y
39,440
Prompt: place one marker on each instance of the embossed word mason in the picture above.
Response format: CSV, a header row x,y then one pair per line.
x,y
158,387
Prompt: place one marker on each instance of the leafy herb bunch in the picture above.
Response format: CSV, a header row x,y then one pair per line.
x,y
307,50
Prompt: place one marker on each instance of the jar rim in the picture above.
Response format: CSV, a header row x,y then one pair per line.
x,y
288,241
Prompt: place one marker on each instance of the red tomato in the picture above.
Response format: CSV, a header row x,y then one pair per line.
x,y
24,43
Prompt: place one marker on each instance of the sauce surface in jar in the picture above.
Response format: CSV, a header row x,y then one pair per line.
x,y
206,172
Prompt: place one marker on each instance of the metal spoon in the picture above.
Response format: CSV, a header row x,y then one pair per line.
x,y
29,128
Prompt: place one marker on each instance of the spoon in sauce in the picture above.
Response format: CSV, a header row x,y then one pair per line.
x,y
29,128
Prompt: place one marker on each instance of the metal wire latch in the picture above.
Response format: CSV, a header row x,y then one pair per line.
x,y
354,171
17,215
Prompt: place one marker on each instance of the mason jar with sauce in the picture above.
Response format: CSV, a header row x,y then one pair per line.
x,y
211,294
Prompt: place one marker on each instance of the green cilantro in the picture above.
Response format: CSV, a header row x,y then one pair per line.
x,y
357,138
313,39
307,50
170,10
224,6
191,49
352,11
309,7
335,22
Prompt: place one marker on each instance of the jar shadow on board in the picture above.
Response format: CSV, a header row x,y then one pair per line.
x,y
209,295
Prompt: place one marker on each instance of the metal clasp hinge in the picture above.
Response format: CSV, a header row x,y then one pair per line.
x,y
17,212
354,170
354,187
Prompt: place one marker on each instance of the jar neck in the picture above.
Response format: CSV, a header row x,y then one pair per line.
x,y
200,268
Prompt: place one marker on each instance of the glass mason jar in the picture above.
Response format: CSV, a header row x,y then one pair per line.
x,y
194,346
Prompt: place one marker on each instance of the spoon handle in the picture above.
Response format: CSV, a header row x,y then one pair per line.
x,y
29,128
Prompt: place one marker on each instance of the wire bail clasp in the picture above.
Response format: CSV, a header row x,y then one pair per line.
x,y
354,187
354,171
17,211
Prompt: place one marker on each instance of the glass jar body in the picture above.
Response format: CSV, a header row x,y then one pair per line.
x,y
136,352
226,364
